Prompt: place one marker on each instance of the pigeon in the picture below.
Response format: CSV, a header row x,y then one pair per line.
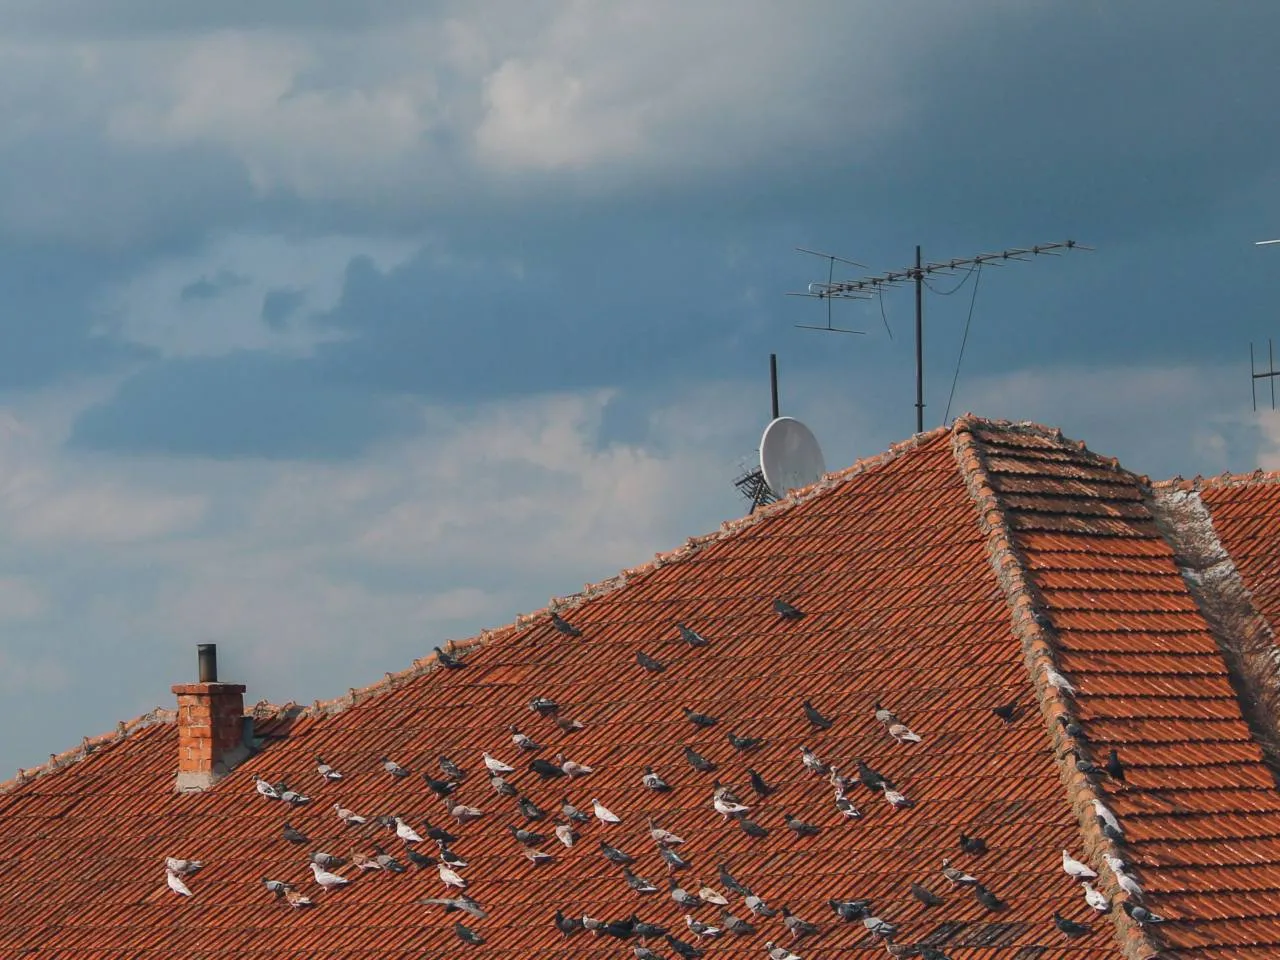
x,y
664,838
987,898
729,809
1110,832
682,896
295,799
363,862
326,771
644,930
1074,868
1095,898
799,827
293,835
615,855
816,719
654,782
650,664
1069,927
1114,768
527,837
523,741
461,812
497,766
564,626
958,878
568,725
603,813
441,788
326,879
700,720
712,895
450,769
972,845
638,884
776,952
880,928
738,927
759,907
691,636
812,763
731,884
501,787
544,706
568,926
894,798
183,868
446,661
1106,816
420,859
572,768
529,810
700,929
745,744
449,857
438,833
461,902
406,832
1141,913
641,952
1127,883
758,784
278,887
450,877
799,928
1070,727
846,807
326,860
686,950
175,884
265,789
565,834
1086,767
1057,680
466,934
1006,711
786,611
673,860
926,896
903,734
571,812
850,910
392,767
592,924
697,761
931,953
546,769
387,862
538,857
869,778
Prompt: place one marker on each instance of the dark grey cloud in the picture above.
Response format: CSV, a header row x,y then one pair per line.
x,y
278,306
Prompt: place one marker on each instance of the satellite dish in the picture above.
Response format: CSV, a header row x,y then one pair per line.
x,y
790,456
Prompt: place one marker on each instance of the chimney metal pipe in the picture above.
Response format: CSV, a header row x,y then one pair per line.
x,y
207,655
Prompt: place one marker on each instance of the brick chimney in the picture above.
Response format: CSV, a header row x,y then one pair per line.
x,y
211,726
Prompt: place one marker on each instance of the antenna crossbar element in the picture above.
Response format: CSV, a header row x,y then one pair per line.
x,y
1269,374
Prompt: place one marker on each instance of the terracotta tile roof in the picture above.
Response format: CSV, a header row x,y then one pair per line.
x,y
906,568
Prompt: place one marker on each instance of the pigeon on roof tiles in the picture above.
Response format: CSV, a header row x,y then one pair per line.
x,y
799,827
449,857
757,906
691,636
1057,680
603,813
882,714
723,791
931,953
1141,913
450,877
406,832
641,952
1006,711
673,860
745,744
437,833
292,834
699,929
812,763
461,812
799,928
348,817
903,734
592,924
1069,927
645,930
530,810
1087,767
786,611
894,798
638,884
175,884
650,664
735,925
265,789
1074,868
972,845
544,706
501,787
846,807
897,950
816,719
392,767
466,934
420,859
462,902
711,895
326,860
698,761
387,861
727,808
1095,898
1070,727
758,783
686,950
537,857
615,855
873,780
278,887
568,725
363,862
526,837
326,879
730,883
572,768
1110,832
450,769
326,770
564,626
880,928
682,896
183,868
619,929
566,834
497,766
653,781
1126,882
776,952
567,926
296,899
1104,813
522,740
387,821
987,898
700,720
1114,768
446,661
572,812
441,788
752,829
926,896
838,783
850,910
546,769
663,838
957,877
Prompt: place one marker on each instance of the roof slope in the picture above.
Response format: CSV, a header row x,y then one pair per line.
x,y
1246,515
892,565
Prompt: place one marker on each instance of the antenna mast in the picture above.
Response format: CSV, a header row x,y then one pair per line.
x,y
873,286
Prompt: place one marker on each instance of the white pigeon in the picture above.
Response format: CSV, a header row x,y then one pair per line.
x,y
811,761
727,808
183,868
1074,868
894,798
461,812
326,879
565,834
348,816
572,768
902,733
537,857
1127,883
176,884
265,789
406,832
1057,680
776,952
1096,898
1102,810
450,878
712,895
603,813
497,766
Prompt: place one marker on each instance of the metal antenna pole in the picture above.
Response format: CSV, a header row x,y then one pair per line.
x,y
773,382
1269,374
919,344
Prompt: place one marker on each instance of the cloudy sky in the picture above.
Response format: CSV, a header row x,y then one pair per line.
x,y
334,330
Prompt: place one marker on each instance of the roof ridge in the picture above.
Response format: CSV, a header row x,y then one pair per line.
x,y
1224,479
1025,604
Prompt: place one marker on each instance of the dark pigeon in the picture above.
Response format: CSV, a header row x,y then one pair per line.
x,y
294,835
786,611
466,934
987,898
691,636
438,833
850,910
926,896
800,828
615,855
972,845
730,883
650,664
816,719
451,769
564,626
686,950
441,788
752,829
567,925
698,761
699,719
546,769
761,788
1114,767
745,744
529,810
1069,927
1006,711
448,662
1141,913
527,837
419,859
871,779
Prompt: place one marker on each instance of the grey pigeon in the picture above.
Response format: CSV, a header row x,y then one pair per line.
x,y
672,859
653,781
327,860
571,812
466,934
698,761
564,626
450,769
758,784
650,664
752,829
529,810
701,720
926,896
638,884
759,907
644,930
527,837
1141,913
682,896
850,910
614,855
745,744
786,611
502,787
642,952
293,834
691,636
799,928
568,926
392,767
880,928
799,827
730,883
446,661
736,926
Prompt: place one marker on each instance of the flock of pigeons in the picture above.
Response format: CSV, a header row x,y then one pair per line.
x,y
532,840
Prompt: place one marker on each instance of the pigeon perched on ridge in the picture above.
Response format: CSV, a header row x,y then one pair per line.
x,y
564,626
446,661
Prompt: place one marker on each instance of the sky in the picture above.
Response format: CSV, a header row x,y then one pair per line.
x,y
333,331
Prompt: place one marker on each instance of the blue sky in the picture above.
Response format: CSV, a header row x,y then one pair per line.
x,y
335,330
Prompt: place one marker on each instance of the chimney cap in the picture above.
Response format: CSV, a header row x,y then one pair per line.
x,y
207,659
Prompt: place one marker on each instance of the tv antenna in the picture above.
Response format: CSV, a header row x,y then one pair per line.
x,y
751,482
874,286
1269,374
831,271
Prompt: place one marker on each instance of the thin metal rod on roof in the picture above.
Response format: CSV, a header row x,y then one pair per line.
x,y
773,382
1269,374
875,285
